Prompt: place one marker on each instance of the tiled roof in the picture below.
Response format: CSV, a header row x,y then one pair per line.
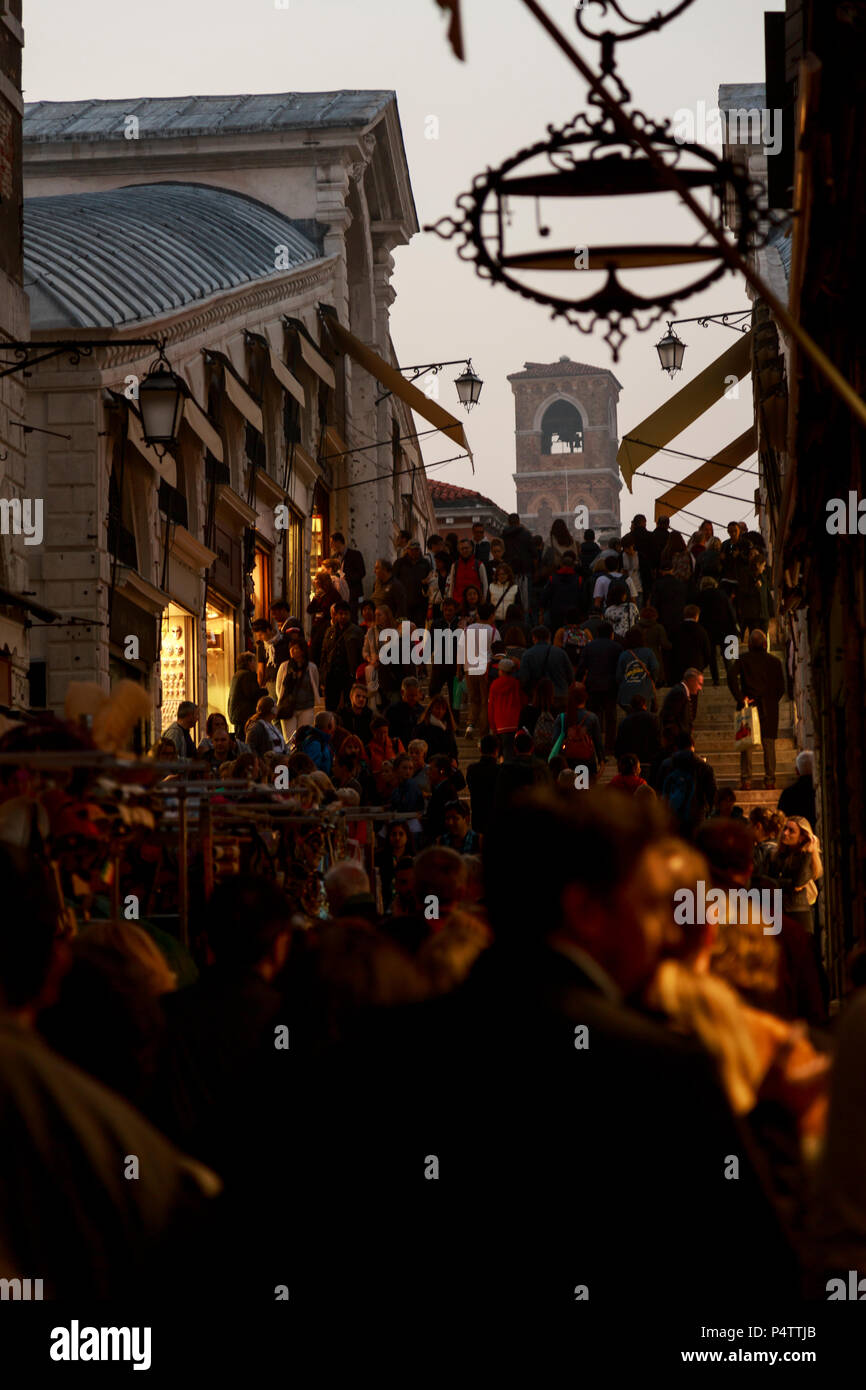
x,y
443,493
564,367
163,117
98,260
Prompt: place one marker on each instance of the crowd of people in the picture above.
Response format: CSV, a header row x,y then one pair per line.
x,y
485,1055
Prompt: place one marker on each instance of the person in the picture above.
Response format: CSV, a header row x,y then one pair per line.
x,y
444,789
726,805
436,585
347,889
719,621
522,773
342,649
68,1214
480,545
179,734
669,598
757,678
677,559
222,747
799,798
796,867
561,540
388,592
418,751
263,636
589,549
565,591
244,692
544,660
261,734
754,601
443,672
766,826
439,875
654,636
356,716
437,727
690,644
315,740
458,833
481,778
578,735
639,734
659,539
504,704
620,612
611,572
383,677
466,572
395,851
282,624
297,689
502,592
325,595
596,669
470,605
403,716
677,711
381,748
637,671
517,542
480,634
642,543
352,569
688,785
412,571
628,777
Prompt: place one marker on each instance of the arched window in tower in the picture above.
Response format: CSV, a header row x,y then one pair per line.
x,y
562,429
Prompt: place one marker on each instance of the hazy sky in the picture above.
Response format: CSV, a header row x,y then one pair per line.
x,y
513,83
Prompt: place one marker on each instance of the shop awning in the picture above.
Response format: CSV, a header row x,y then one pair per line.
x,y
390,378
165,466
198,421
10,599
238,392
725,461
684,408
310,353
287,380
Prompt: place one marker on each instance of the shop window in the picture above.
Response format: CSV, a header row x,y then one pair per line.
x,y
121,536
220,640
177,660
262,570
173,504
294,563
562,429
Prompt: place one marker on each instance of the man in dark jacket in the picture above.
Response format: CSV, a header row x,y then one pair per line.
x,y
669,598
688,785
565,590
677,711
660,537
643,544
519,555
404,715
589,549
719,621
759,678
799,798
342,649
690,645
481,779
596,667
352,569
481,545
639,734
542,659
410,571
521,774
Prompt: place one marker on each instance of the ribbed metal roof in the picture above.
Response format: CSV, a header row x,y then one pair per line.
x,y
166,117
99,260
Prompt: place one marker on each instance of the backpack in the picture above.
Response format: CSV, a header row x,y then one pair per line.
x,y
544,735
576,639
578,744
679,791
635,672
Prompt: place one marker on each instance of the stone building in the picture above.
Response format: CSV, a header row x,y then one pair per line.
x,y
566,444
236,229
459,508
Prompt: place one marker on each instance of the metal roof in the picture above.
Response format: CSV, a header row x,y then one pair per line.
x,y
162,118
98,260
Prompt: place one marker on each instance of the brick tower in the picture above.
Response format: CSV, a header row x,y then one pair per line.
x,y
566,443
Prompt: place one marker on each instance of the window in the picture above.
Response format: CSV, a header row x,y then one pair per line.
x,y
562,429
121,536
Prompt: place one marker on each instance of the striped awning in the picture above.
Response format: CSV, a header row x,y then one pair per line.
x,y
689,403
725,461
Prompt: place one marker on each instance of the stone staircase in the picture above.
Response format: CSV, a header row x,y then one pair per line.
x,y
714,740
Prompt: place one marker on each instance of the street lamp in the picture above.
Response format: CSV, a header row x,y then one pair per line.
x,y
469,386
671,349
161,397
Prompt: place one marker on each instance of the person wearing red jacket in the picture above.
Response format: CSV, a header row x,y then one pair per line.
x,y
504,703
466,572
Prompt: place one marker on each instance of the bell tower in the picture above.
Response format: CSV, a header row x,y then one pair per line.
x,y
566,444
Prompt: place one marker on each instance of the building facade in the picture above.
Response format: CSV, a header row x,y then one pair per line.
x,y
458,509
229,228
566,445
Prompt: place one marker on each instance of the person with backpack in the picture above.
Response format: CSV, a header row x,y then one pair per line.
x,y
636,671
688,786
466,573
539,719
579,735
597,669
565,591
542,659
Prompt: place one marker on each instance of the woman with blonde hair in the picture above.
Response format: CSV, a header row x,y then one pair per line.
x,y
383,679
796,867
503,591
